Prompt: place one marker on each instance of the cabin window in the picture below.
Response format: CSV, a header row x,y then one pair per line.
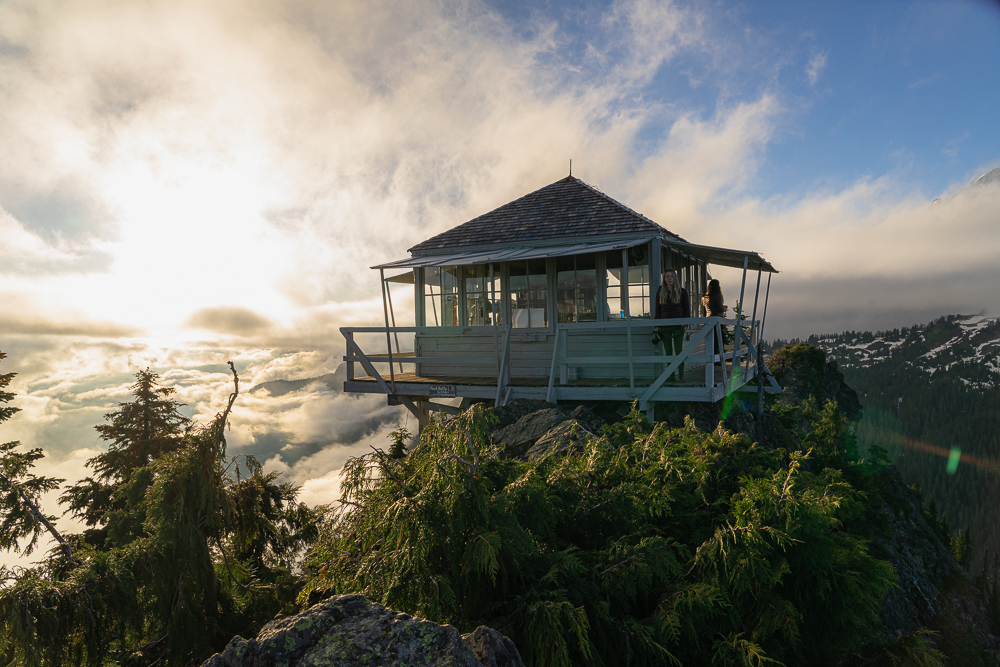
x,y
478,296
637,299
576,281
529,294
441,296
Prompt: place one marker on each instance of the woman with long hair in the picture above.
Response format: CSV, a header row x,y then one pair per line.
x,y
714,306
672,302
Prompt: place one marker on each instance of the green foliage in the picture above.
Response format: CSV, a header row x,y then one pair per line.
x,y
399,437
185,550
21,488
650,546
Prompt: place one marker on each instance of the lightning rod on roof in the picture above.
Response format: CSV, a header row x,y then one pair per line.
x,y
571,166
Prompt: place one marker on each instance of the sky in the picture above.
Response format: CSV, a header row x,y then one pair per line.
x,y
188,182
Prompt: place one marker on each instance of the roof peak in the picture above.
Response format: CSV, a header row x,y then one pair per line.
x,y
567,208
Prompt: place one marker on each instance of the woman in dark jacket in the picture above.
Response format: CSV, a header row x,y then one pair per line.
x,y
714,306
672,301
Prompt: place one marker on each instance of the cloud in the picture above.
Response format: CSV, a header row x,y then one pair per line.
x,y
228,320
816,64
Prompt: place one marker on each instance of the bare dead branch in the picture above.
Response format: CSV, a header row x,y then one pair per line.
x,y
37,513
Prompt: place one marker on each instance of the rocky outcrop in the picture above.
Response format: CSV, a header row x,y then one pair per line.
x,y
568,435
517,438
543,430
803,371
922,562
350,631
492,648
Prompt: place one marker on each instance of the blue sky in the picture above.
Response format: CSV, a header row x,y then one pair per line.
x,y
185,182
868,88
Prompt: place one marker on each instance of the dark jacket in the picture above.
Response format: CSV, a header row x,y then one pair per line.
x,y
713,305
668,310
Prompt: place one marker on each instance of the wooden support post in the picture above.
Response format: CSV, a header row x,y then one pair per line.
x,y
753,317
739,319
763,317
493,311
710,365
504,366
628,318
655,272
388,342
722,357
347,351
392,314
552,368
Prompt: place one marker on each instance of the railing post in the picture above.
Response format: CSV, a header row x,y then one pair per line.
x,y
504,366
631,365
753,317
349,338
710,353
722,357
388,342
552,368
737,362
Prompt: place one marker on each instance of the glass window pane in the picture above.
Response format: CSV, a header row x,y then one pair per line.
x,y
449,296
529,292
475,295
586,288
493,307
432,296
613,283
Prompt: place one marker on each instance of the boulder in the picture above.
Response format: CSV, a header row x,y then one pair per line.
x,y
492,648
517,438
565,436
511,412
587,418
350,631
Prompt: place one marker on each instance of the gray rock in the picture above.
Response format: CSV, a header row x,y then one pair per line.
x,y
519,407
517,438
588,418
492,648
565,436
349,631
923,564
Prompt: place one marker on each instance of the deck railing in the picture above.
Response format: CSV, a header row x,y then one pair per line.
x,y
739,364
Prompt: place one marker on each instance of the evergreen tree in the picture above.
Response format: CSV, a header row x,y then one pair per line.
x,y
185,551
21,488
139,432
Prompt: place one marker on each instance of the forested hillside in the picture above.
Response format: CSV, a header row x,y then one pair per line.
x,y
929,391
591,543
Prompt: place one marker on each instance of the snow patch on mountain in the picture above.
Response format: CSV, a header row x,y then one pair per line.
x,y
965,345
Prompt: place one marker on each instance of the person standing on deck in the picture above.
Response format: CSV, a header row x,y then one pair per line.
x,y
714,305
672,302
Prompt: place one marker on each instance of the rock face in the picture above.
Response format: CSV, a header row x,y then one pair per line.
x,y
565,436
803,370
529,429
923,564
350,631
517,438
492,648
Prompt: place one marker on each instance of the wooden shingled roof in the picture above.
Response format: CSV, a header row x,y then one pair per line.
x,y
568,208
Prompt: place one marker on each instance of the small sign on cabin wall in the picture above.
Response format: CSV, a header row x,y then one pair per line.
x,y
441,391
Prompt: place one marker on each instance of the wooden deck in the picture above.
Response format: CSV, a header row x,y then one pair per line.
x,y
694,378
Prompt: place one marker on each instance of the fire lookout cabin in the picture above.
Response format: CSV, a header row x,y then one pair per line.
x,y
551,296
